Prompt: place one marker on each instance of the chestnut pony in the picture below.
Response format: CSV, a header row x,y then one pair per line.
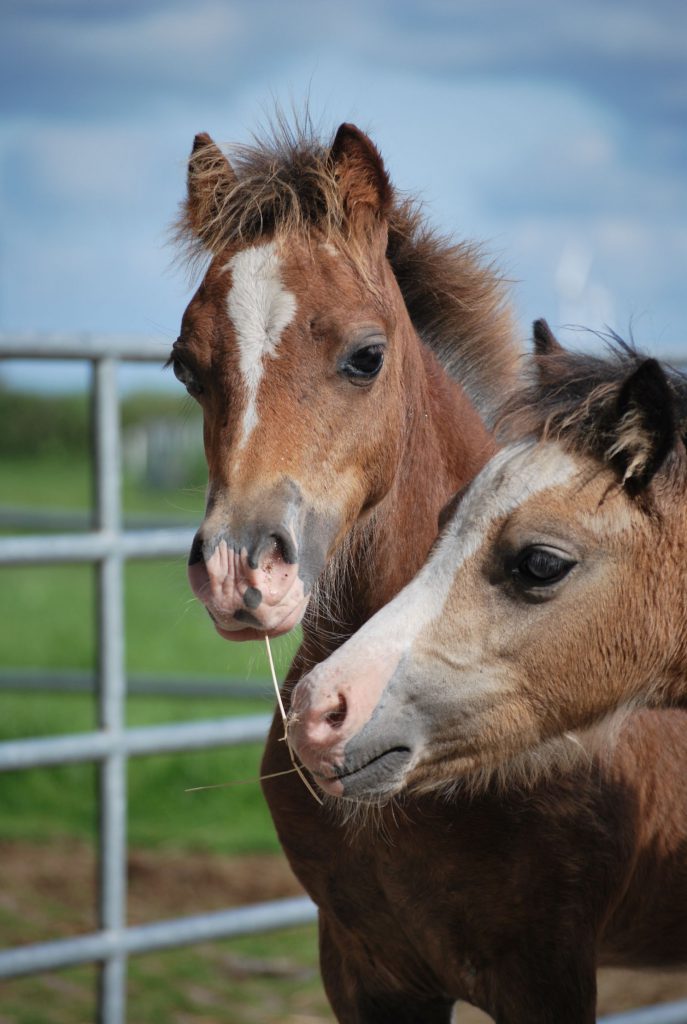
x,y
345,357
333,433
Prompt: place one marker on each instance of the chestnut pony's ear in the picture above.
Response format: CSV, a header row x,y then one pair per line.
x,y
645,426
363,180
210,180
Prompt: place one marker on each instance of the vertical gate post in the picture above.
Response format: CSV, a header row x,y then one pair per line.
x,y
111,686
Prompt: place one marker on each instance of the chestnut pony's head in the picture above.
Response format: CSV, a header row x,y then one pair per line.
x,y
300,349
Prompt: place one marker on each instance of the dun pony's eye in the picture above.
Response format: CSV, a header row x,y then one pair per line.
x,y
540,567
363,365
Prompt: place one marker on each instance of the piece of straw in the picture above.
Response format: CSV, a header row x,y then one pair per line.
x,y
273,775
285,737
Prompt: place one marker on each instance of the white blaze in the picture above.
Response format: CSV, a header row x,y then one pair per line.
x,y
510,478
260,308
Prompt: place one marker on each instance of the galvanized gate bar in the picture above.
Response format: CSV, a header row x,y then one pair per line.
x,y
81,681
94,545
107,546
136,741
112,690
85,345
181,931
666,1013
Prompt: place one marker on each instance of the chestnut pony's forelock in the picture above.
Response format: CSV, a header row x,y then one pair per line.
x,y
286,183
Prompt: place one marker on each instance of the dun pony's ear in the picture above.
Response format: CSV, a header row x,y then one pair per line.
x,y
545,341
210,180
645,426
363,181
549,355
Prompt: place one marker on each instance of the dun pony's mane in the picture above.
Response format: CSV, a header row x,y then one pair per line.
x,y
572,398
286,183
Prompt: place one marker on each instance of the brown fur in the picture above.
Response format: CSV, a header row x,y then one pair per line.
x,y
504,899
510,885
510,900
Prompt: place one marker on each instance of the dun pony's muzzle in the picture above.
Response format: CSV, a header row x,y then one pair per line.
x,y
353,742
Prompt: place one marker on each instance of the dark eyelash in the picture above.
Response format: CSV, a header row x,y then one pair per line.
x,y
184,375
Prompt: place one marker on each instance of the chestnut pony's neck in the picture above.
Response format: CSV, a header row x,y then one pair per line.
x,y
444,444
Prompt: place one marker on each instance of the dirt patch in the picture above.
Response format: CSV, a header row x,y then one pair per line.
x,y
49,891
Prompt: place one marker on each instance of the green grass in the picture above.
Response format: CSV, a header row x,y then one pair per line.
x,y
66,483
48,622
42,804
198,985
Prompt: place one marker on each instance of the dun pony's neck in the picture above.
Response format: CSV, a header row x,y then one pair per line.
x,y
445,444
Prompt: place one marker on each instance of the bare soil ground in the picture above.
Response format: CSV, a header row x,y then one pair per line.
x,y
49,891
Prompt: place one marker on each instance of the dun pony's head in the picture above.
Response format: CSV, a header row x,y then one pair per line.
x,y
555,594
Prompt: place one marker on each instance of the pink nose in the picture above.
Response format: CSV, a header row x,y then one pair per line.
x,y
317,726
233,581
333,702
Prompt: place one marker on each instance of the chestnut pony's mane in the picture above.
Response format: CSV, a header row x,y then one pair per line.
x,y
572,397
286,183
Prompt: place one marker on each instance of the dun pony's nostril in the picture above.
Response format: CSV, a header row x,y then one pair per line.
x,y
337,717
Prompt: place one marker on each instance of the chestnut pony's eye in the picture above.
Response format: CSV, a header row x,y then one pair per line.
x,y
185,375
363,365
540,567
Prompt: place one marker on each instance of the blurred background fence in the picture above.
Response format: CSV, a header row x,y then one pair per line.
x,y
106,542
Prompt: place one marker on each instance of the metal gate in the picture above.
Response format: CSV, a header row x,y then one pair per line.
x,y
108,545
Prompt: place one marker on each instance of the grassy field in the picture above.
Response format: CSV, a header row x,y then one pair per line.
x,y
212,984
47,616
45,804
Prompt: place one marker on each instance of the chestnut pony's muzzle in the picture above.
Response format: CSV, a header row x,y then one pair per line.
x,y
254,573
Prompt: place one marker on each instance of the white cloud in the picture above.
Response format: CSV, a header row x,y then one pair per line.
x,y
503,130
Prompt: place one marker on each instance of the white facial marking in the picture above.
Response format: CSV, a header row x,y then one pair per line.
x,y
360,670
515,474
260,309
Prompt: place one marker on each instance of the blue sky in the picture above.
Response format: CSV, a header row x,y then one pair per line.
x,y
554,133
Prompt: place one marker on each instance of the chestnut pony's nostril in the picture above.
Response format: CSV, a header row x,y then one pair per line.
x,y
285,545
337,717
252,598
277,545
196,553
